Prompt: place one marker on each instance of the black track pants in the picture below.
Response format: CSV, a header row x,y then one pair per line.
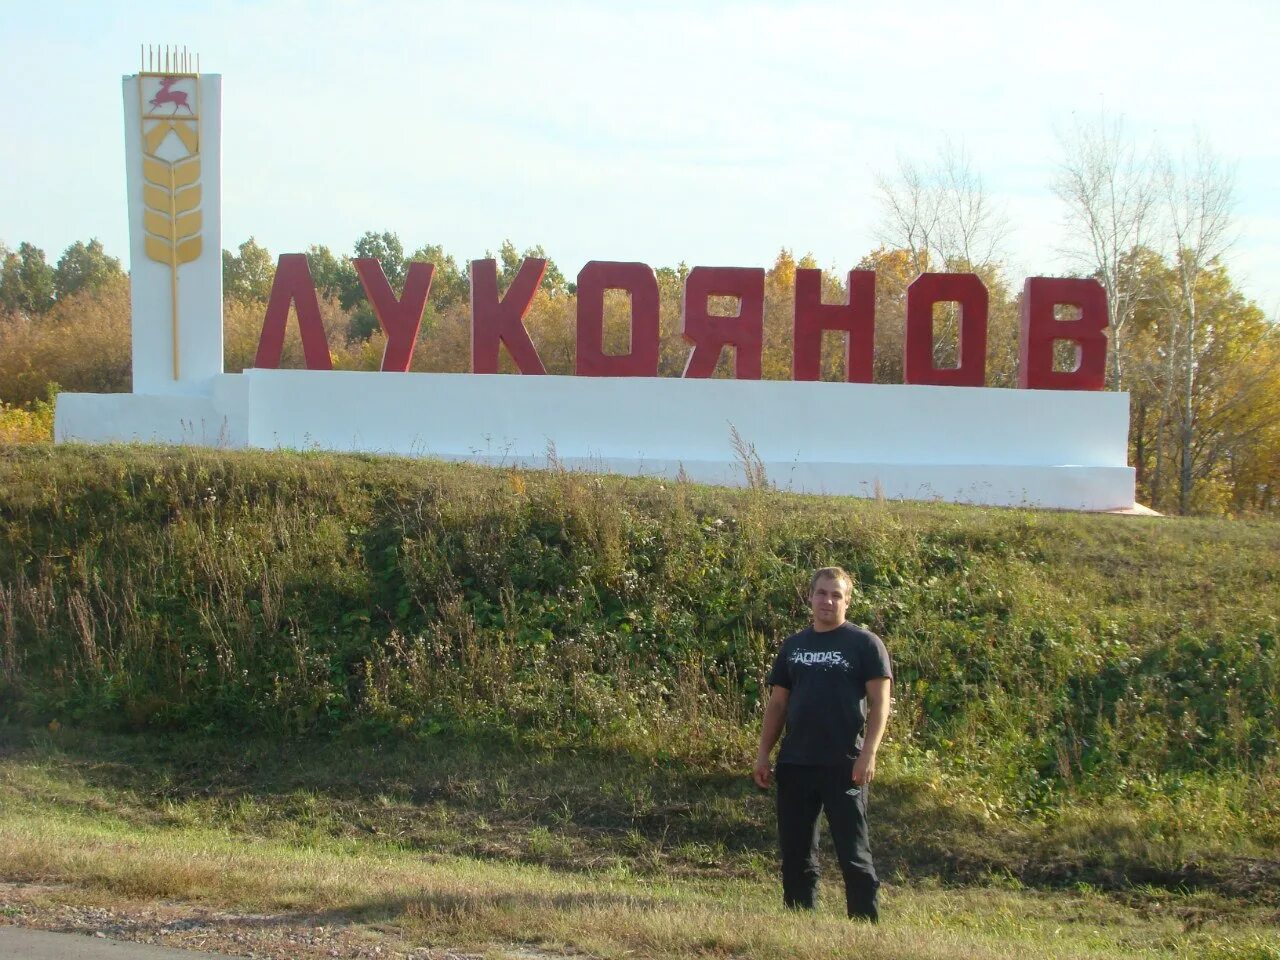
x,y
803,791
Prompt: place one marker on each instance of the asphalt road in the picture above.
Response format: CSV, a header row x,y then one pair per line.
x,y
17,943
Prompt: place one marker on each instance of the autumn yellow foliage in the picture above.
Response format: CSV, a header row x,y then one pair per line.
x,y
82,344
21,425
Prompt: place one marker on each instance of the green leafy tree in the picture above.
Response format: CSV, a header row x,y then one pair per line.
x,y
26,281
449,283
247,276
84,267
1233,398
333,275
1234,454
509,260
1146,359
387,249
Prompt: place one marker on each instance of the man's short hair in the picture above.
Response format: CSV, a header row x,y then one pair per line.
x,y
831,573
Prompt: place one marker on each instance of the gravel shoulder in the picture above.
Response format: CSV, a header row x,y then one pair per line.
x,y
187,927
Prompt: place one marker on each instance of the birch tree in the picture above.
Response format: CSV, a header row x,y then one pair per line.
x,y
1199,193
941,213
942,216
1109,190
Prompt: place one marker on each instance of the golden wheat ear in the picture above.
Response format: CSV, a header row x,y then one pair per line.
x,y
172,217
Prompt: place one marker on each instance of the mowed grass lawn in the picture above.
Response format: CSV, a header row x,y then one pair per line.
x,y
513,855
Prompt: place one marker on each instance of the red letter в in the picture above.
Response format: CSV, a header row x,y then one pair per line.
x,y
1040,329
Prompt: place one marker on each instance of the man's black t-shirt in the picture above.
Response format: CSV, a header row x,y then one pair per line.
x,y
827,673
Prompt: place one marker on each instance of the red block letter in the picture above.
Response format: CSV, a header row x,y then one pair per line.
x,y
1040,329
495,322
401,318
711,334
638,280
962,288
857,318
293,284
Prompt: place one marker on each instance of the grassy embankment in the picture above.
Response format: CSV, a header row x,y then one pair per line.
x,y
518,706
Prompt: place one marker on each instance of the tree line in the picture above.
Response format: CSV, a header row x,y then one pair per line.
x,y
1200,361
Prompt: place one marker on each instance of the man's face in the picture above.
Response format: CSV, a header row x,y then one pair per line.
x,y
829,601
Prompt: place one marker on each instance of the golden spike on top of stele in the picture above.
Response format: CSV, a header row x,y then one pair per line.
x,y
167,59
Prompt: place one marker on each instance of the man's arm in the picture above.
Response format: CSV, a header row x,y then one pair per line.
x,y
775,715
864,768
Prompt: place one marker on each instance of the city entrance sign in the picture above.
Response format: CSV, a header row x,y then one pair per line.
x,y
498,321
941,435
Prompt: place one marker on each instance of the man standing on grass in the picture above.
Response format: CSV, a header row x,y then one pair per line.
x,y
830,687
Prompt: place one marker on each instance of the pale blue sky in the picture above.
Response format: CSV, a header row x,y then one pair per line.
x,y
713,133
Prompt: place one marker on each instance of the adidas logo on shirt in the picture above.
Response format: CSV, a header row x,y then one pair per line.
x,y
820,658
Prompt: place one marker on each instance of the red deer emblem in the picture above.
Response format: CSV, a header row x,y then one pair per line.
x,y
168,95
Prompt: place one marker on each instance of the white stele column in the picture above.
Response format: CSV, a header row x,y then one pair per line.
x,y
173,164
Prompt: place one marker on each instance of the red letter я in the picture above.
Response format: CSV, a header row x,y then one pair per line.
x,y
710,334
401,318
638,280
497,321
1040,329
293,284
967,290
857,318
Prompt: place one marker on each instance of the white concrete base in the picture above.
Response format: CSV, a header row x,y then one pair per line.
x,y
141,418
1063,449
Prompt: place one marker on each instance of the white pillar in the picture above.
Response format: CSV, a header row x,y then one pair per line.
x,y
173,159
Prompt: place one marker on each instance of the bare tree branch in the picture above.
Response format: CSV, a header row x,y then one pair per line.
x,y
942,213
1109,191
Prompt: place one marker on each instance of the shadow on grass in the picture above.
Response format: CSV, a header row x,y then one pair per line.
x,y
434,904
574,810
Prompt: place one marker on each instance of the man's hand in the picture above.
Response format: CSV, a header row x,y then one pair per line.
x,y
775,715
864,768
762,773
